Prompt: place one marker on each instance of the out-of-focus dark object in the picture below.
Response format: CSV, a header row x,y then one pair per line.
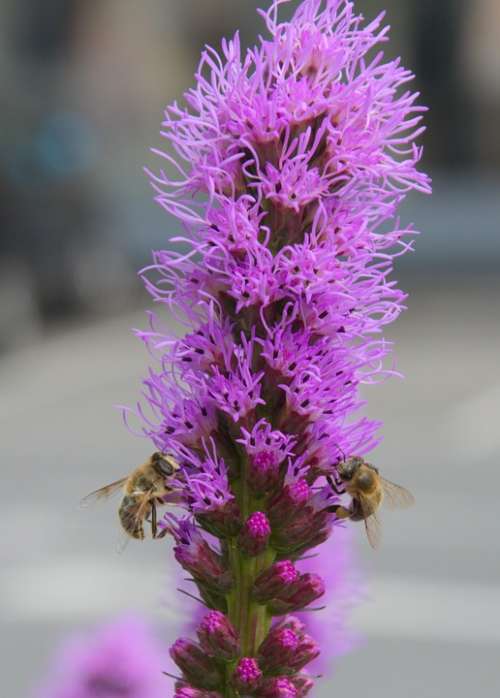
x,y
438,32
43,30
207,22
49,208
481,76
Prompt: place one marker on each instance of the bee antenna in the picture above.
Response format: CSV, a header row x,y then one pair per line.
x,y
192,596
341,451
307,557
313,610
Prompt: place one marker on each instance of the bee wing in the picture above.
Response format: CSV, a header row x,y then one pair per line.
x,y
373,531
103,492
373,526
122,543
396,497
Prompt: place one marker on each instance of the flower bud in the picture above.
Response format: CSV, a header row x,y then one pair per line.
x,y
275,580
322,533
255,534
298,595
300,519
281,687
277,650
303,684
197,557
307,650
288,502
263,471
218,637
247,675
195,664
223,521
287,648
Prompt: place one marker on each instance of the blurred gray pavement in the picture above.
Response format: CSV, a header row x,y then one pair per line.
x,y
431,618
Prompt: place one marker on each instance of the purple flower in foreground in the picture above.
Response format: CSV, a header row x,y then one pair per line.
x,y
343,590
122,659
291,161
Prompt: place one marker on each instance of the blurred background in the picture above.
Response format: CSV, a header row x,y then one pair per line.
x,y
83,86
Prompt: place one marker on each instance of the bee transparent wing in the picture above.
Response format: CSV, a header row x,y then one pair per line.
x,y
122,543
373,531
373,526
396,497
103,492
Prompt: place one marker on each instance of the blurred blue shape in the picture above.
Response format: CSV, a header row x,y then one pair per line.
x,y
65,144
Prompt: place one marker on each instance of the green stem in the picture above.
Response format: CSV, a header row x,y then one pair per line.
x,y
250,619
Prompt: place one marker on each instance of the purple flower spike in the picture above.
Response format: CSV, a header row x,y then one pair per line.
x,y
285,166
255,534
247,675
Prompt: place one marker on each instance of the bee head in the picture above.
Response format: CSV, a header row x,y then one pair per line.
x,y
164,464
347,469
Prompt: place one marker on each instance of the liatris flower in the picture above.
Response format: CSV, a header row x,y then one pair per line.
x,y
122,659
290,163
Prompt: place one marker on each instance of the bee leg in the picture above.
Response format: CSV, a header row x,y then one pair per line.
x,y
154,519
339,511
336,487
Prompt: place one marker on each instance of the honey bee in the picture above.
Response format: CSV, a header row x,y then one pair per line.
x,y
143,490
368,489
